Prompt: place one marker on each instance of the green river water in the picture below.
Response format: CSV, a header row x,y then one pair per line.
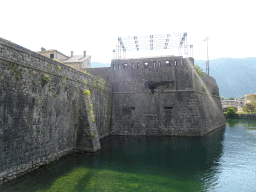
x,y
224,160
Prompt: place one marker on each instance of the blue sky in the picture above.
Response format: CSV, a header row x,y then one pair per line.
x,y
95,26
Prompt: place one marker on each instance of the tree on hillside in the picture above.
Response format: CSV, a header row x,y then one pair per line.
x,y
222,98
249,107
231,98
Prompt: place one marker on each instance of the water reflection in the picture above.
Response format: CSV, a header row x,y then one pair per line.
x,y
178,155
232,122
247,123
237,166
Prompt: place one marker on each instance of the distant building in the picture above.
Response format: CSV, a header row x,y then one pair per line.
x,y
228,104
240,103
53,54
76,61
236,104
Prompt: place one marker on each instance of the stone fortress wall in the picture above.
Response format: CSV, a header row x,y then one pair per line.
x,y
44,111
48,109
181,104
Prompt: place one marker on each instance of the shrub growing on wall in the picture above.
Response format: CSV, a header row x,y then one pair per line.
x,y
199,70
87,92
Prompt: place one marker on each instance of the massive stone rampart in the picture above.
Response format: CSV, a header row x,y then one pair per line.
x,y
47,110
163,96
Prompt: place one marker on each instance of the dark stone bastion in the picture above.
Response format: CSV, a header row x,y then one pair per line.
x,y
162,96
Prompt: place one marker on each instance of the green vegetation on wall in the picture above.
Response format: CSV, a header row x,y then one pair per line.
x,y
45,79
16,69
199,70
98,83
215,92
90,110
87,92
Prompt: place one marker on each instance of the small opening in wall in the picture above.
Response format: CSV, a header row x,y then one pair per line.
x,y
133,66
181,61
159,64
125,65
51,56
154,65
127,108
168,107
114,67
138,66
175,62
168,64
146,65
118,66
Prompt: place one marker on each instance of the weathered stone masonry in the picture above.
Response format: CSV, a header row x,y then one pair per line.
x,y
48,109
45,112
162,96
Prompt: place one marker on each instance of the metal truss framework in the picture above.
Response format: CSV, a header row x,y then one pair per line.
x,y
153,42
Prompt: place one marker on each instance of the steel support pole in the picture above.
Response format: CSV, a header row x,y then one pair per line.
x,y
207,62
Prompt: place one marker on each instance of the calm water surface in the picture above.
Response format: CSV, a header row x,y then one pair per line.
x,y
225,160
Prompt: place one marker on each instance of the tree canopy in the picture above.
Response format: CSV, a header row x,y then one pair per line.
x,y
249,107
231,112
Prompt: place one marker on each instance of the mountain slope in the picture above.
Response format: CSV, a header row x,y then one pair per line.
x,y
235,77
96,64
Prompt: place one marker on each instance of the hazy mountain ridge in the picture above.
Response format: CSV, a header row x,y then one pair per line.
x,y
96,64
235,77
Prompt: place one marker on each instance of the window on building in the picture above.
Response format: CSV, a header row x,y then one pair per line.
x,y
51,56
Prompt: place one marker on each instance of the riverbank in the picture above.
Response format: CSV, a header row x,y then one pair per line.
x,y
241,116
